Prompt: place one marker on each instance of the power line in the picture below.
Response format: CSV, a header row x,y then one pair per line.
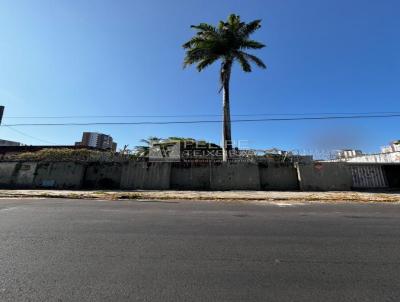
x,y
195,115
207,121
30,136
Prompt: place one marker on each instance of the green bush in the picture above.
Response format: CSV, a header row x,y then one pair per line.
x,y
65,155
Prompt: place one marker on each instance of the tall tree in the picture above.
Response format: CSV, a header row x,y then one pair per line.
x,y
227,42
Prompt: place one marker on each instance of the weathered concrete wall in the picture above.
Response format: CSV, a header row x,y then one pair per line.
x,y
278,177
17,174
162,176
24,174
190,176
59,175
146,176
329,176
235,176
7,174
103,176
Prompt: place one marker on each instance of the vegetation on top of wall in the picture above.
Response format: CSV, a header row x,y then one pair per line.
x,y
186,143
66,155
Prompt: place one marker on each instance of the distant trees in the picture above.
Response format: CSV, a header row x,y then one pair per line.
x,y
185,143
143,150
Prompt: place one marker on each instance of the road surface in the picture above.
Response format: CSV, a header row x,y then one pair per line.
x,y
86,250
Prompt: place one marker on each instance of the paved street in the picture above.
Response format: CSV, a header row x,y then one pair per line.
x,y
85,250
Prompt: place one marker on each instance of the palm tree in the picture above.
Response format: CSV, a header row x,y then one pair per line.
x,y
143,150
227,42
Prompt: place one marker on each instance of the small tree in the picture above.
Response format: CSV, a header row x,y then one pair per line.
x,y
143,150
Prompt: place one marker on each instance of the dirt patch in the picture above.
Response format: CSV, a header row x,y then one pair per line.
x,y
265,196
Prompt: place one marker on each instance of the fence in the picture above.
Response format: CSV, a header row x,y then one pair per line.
x,y
323,176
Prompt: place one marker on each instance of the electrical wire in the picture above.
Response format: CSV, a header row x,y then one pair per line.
x,y
194,115
30,136
208,121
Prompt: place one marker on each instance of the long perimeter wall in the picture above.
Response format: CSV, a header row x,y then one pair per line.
x,y
195,176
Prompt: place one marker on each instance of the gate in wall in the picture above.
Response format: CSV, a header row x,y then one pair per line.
x,y
368,176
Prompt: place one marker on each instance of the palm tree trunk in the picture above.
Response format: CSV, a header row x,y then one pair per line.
x,y
226,127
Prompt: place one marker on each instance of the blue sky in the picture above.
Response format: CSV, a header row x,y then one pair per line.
x,y
125,58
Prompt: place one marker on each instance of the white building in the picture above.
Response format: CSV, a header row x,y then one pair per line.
x,y
389,154
393,147
389,157
348,153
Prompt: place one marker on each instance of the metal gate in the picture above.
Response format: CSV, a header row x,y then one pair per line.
x,y
368,176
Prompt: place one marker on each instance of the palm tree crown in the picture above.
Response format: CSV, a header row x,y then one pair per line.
x,y
228,42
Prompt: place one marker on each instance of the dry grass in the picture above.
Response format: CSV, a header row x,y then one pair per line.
x,y
262,196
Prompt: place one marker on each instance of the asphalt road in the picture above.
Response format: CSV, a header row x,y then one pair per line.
x,y
81,250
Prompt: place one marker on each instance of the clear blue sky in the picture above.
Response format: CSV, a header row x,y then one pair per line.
x,y
124,57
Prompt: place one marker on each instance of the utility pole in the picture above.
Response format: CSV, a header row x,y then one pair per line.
x,y
1,113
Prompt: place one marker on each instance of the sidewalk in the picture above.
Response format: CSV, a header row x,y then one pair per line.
x,y
262,196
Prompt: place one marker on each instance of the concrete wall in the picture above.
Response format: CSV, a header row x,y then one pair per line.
x,y
235,176
323,176
17,174
190,176
103,176
7,174
239,176
327,176
24,174
59,175
146,176
278,177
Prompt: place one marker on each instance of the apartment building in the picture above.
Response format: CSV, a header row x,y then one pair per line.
x,y
97,140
